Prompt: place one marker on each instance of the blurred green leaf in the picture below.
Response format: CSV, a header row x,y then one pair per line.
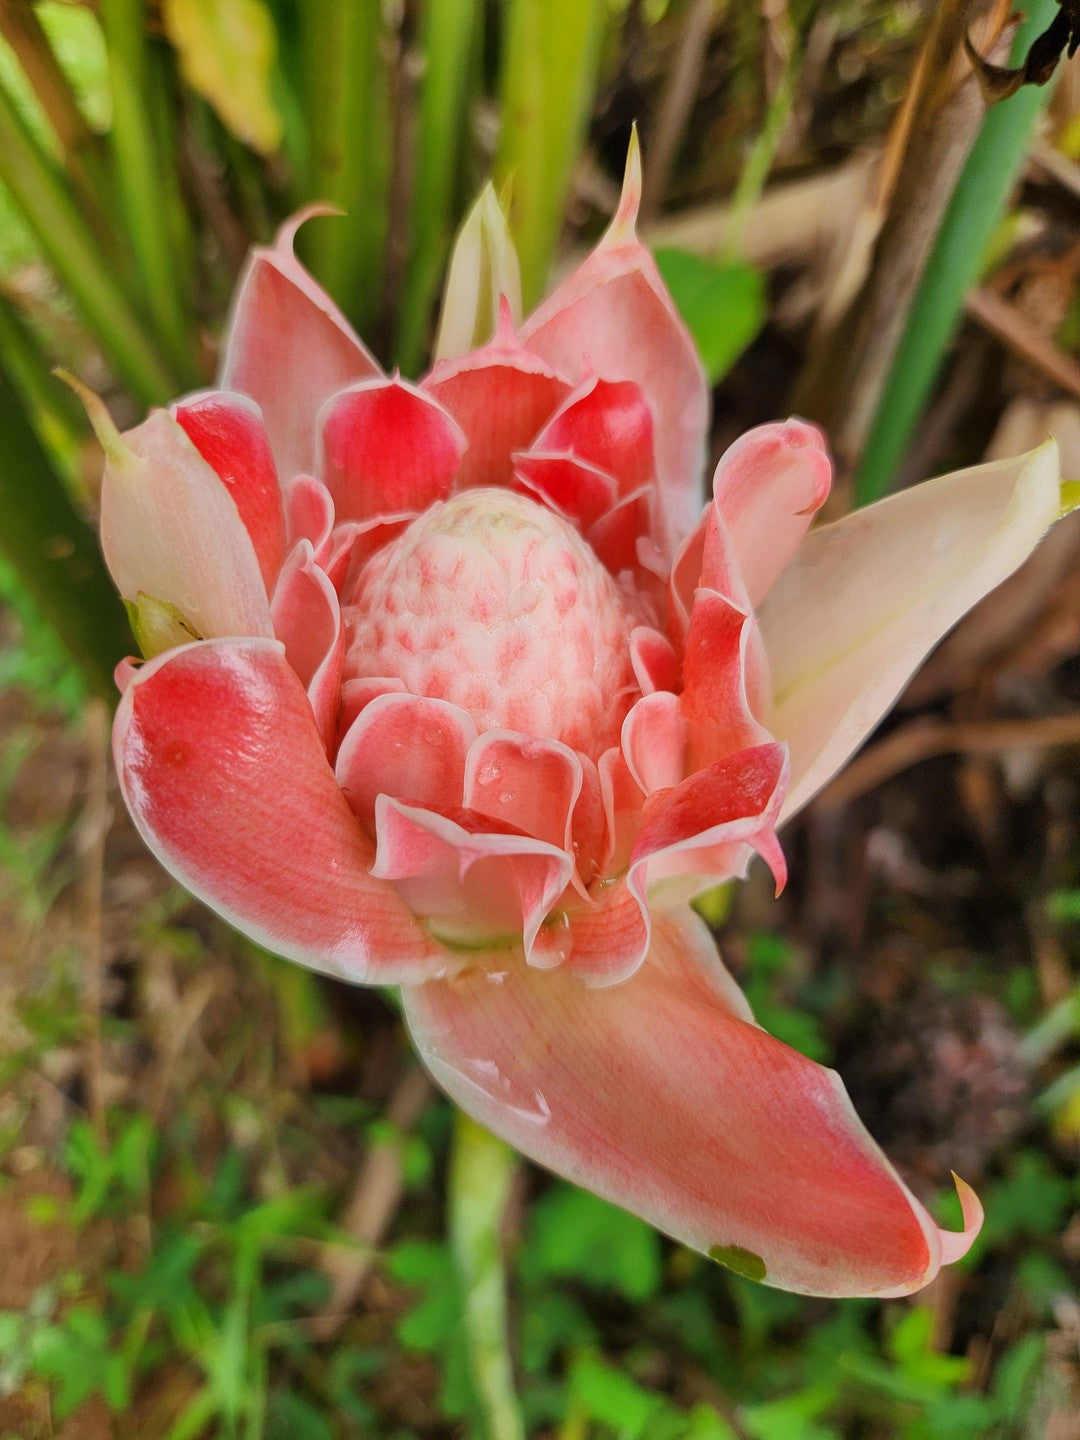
x,y
290,1416
576,1234
434,1323
723,305
227,51
550,56
1032,1199
613,1398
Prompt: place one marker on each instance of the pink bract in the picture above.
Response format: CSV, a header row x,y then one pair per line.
x,y
482,698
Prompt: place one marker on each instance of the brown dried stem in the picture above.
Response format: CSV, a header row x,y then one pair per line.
x,y
371,1208
676,101
925,739
932,136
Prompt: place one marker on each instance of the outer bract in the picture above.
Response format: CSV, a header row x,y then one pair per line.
x,y
481,698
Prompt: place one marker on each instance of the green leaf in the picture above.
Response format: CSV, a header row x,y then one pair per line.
x,y
723,305
227,51
611,1397
1032,1199
290,1417
576,1234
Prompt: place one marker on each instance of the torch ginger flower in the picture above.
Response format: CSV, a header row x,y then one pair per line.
x,y
453,686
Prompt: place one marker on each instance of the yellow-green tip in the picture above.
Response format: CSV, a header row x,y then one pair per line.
x,y
1070,498
158,625
109,437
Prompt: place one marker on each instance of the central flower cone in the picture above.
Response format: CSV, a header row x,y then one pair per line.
x,y
496,604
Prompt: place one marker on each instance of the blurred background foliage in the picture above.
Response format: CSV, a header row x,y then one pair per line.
x,y
222,1180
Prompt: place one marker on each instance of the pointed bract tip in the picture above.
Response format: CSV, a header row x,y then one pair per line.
x,y
109,437
286,235
624,225
956,1243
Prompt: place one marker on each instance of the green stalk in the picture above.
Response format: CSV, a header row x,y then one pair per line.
x,y
141,175
450,33
54,552
480,1174
763,152
347,100
73,253
551,55
954,264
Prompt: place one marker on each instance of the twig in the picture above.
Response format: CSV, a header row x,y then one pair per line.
x,y
371,1207
1007,323
924,739
675,103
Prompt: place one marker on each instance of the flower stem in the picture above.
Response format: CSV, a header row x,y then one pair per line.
x,y
955,261
482,1168
551,55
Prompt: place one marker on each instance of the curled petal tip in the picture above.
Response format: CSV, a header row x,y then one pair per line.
x,y
286,235
956,1243
109,437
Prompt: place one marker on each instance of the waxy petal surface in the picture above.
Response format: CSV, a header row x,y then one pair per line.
x,y
767,487
476,882
607,424
866,598
660,1096
290,348
171,529
565,484
500,396
225,775
613,317
525,782
387,449
307,620
228,432
407,746
711,823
